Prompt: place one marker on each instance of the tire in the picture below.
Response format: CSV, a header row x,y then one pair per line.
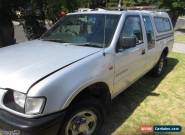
x,y
158,70
86,115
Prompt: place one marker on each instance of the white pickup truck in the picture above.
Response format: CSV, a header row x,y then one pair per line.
x,y
61,83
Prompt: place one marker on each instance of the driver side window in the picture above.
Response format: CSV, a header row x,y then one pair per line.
x,y
132,30
149,32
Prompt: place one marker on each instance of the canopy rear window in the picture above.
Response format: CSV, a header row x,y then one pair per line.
x,y
162,24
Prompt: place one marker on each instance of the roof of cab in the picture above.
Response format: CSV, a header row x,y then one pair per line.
x,y
99,12
155,13
103,11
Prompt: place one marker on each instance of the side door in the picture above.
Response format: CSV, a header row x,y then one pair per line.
x,y
151,43
130,62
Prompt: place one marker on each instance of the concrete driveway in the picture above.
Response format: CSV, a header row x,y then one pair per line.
x,y
179,47
180,23
19,34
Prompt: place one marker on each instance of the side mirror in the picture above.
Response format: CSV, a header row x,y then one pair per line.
x,y
126,42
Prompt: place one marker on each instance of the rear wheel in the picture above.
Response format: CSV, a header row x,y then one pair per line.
x,y
160,66
83,118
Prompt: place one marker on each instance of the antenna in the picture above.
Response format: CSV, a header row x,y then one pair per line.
x,y
104,36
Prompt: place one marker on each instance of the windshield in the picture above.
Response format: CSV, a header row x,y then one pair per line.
x,y
94,30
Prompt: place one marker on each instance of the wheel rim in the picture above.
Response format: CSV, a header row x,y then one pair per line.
x,y
161,65
82,123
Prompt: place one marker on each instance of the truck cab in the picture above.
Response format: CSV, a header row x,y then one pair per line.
x,y
152,33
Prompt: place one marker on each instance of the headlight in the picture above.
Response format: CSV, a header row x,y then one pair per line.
x,y
19,102
15,101
34,105
19,99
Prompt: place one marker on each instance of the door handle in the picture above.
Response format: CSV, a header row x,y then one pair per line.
x,y
143,52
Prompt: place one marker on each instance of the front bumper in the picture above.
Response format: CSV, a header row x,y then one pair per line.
x,y
14,125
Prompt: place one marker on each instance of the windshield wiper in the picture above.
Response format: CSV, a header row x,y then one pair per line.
x,y
91,45
54,40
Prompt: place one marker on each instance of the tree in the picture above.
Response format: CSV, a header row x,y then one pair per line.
x,y
176,7
98,3
49,10
52,7
7,14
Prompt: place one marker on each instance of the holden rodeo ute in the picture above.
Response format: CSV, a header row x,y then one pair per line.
x,y
61,83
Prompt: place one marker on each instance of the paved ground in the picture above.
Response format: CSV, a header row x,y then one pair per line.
x,y
180,23
19,34
179,47
180,30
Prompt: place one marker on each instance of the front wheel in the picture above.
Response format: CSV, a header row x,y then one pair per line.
x,y
83,118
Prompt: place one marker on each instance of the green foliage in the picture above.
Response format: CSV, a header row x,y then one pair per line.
x,y
177,6
174,5
8,7
52,7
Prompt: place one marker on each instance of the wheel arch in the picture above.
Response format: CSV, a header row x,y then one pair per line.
x,y
165,51
98,90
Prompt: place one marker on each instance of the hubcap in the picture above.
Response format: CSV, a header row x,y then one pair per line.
x,y
82,123
161,65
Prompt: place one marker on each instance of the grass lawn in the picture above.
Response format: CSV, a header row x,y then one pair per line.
x,y
180,38
150,101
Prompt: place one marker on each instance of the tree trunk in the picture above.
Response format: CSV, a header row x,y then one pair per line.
x,y
174,16
6,30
